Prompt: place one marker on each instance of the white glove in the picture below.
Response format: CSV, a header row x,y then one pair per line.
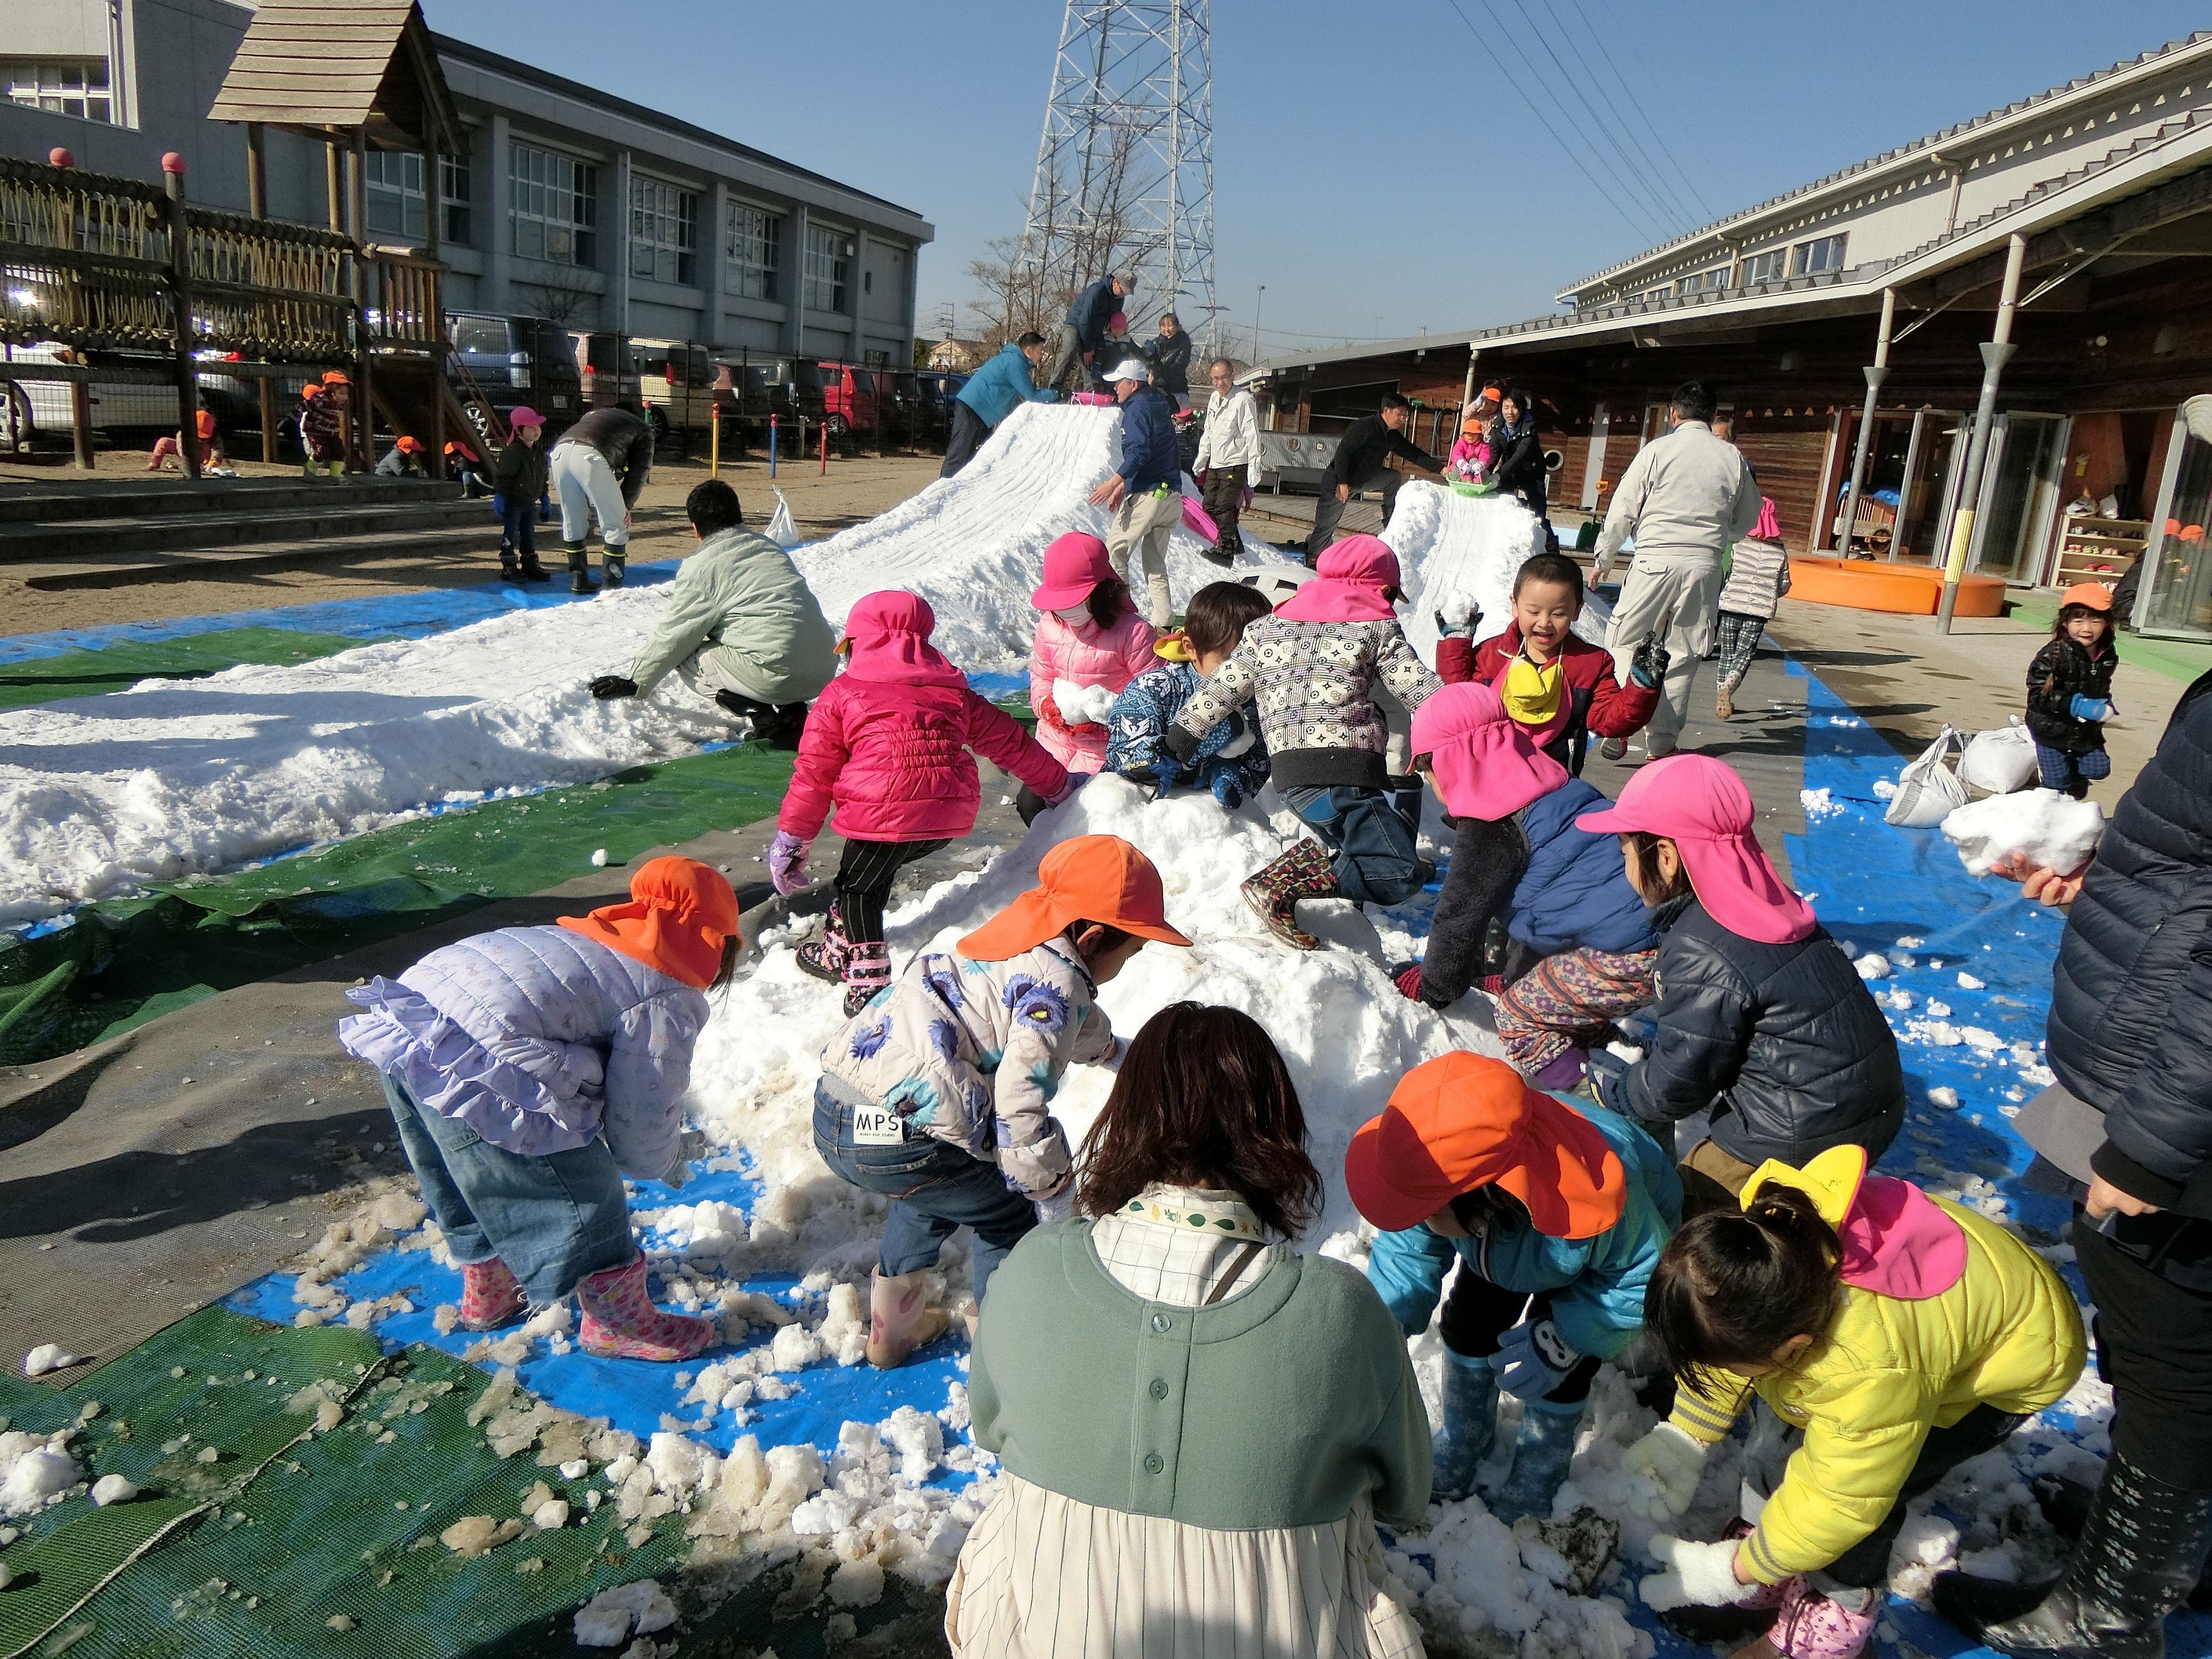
x,y
1669,1464
1600,569
1699,1574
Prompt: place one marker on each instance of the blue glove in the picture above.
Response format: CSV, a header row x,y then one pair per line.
x,y
1533,1360
499,506
1227,791
1168,771
2088,708
1608,1074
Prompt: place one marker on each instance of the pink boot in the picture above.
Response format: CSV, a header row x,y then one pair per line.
x,y
1812,1625
490,1295
621,1322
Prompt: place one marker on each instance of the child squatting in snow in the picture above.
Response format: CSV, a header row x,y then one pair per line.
x,y
1231,760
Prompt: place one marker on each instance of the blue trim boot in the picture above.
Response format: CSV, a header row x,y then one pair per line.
x,y
1540,1457
1470,1425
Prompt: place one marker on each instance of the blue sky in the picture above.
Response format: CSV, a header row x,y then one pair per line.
x,y
1372,164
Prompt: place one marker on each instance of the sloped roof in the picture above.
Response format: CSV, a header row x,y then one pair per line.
x,y
311,65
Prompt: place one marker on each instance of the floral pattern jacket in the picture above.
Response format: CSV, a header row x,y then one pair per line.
x,y
973,1052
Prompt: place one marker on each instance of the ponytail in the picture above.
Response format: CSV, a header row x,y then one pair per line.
x,y
1733,1286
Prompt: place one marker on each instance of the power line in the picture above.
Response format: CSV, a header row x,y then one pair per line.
x,y
1605,115
1637,104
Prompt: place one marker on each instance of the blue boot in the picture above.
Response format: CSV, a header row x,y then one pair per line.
x,y
1470,1425
1541,1456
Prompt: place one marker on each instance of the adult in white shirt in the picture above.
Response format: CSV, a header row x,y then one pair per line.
x,y
1226,451
1686,497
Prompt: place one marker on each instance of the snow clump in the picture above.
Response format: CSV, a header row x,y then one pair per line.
x,y
2052,830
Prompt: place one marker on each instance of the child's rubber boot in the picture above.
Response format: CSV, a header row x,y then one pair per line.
x,y
580,570
823,956
616,565
491,1296
621,1322
900,1318
510,567
1470,1425
1811,1625
1541,1456
1306,872
534,572
867,970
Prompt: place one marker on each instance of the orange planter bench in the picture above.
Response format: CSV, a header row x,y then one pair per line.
x,y
1910,590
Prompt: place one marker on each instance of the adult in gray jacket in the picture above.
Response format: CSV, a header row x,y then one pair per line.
x,y
600,468
1684,498
742,626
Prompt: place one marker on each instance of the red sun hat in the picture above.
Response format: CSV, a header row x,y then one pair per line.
x,y
524,415
1465,1121
680,911
1073,565
1090,878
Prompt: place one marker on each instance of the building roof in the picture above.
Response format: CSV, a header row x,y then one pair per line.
x,y
515,69
340,63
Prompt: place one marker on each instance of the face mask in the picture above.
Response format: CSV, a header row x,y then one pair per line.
x,y
1075,616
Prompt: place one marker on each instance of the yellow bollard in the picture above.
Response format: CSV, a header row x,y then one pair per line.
x,y
714,447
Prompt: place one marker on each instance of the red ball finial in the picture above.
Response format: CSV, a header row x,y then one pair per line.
x,y
171,161
59,157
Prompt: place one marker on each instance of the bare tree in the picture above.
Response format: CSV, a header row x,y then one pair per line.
x,y
565,299
1028,285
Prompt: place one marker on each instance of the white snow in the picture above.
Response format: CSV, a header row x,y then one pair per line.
x,y
46,1357
1968,982
2050,829
113,1489
1455,549
1080,703
1818,803
612,1614
1872,965
1947,1098
34,1470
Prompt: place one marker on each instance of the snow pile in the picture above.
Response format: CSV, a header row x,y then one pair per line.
x,y
1819,803
35,1470
1456,551
2053,831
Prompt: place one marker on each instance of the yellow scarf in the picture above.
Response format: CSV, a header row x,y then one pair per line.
x,y
1532,689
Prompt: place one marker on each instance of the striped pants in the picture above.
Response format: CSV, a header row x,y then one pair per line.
x,y
1568,999
864,878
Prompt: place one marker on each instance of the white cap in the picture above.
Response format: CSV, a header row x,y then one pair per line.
x,y
1131,369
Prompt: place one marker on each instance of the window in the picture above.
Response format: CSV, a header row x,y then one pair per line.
x,y
1815,258
453,185
66,86
664,231
753,253
553,202
394,181
1766,267
1703,281
828,254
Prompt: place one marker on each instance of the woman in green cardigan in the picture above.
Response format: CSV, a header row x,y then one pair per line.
x,y
1203,1423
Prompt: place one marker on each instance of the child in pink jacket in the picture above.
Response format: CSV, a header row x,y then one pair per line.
x,y
888,744
1089,635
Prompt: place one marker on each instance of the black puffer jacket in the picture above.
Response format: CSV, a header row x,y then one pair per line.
x,y
2131,1028
2061,669
1783,1042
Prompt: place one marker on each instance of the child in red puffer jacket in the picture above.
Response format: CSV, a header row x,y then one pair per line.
x,y
1090,636
888,743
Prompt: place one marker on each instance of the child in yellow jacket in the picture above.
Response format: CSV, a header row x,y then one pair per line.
x,y
1891,1335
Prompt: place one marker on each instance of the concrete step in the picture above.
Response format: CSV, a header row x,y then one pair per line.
x,y
205,563
338,514
62,501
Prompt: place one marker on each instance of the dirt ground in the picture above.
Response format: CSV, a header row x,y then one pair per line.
x,y
855,490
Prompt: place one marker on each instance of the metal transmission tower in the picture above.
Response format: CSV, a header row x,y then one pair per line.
x,y
1125,169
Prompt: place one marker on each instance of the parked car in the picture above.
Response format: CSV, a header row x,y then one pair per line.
x,y
907,418
515,360
851,402
671,383
131,410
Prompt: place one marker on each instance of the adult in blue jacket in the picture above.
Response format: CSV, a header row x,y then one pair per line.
x,y
1085,330
1146,496
990,396
1557,1213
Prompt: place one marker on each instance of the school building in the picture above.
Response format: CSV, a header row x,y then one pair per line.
x,y
1847,324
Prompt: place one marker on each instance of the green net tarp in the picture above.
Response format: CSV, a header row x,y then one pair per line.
x,y
123,961
116,667
254,1553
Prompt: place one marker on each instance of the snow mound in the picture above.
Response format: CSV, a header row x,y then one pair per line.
x,y
2052,830
1454,550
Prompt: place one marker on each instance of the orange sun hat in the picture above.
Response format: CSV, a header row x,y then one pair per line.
x,y
680,911
2095,596
1464,1120
1091,879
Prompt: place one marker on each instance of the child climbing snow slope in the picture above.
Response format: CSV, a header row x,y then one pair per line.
x,y
939,1095
1759,575
529,1070
1089,644
1762,1020
1313,667
1232,761
1889,1336
1582,948
2069,692
888,743
1561,688
1557,1214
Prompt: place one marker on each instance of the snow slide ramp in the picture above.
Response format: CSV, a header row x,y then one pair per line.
x,y
1449,544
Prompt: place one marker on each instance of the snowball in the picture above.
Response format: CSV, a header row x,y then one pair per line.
x,y
113,1489
1082,705
599,862
1968,982
551,1516
1873,965
1947,1098
1938,1009
46,1357
32,1470
2050,829
795,1348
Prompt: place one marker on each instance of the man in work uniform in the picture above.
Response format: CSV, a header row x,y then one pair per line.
x,y
1145,496
600,468
1684,498
1084,331
741,626
1362,459
1226,450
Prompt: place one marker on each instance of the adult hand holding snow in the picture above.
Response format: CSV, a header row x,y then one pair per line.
x,y
1532,1359
1664,1469
1701,1575
787,863
2043,826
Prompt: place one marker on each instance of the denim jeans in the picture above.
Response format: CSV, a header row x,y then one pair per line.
x,y
552,1219
934,1187
518,533
1371,834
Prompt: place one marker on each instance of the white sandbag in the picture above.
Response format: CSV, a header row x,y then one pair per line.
x,y
1999,760
783,529
1927,790
2054,831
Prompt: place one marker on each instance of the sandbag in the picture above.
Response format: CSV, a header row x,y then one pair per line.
x,y
783,529
2000,761
1927,791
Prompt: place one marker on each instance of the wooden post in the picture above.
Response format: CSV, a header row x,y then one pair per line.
x,y
181,302
81,423
434,211
256,203
363,403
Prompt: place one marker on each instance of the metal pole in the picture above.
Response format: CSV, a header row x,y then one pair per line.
x,y
1996,352
1260,300
361,404
257,205
825,449
772,421
1876,373
180,302
714,444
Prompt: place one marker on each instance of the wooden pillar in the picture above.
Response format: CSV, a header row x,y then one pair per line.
x,y
364,292
434,213
257,205
180,302
80,423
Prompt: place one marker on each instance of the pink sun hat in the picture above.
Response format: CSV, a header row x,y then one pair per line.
x,y
1073,565
1702,807
1485,764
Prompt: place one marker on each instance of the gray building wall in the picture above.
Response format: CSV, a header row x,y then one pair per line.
x,y
174,55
